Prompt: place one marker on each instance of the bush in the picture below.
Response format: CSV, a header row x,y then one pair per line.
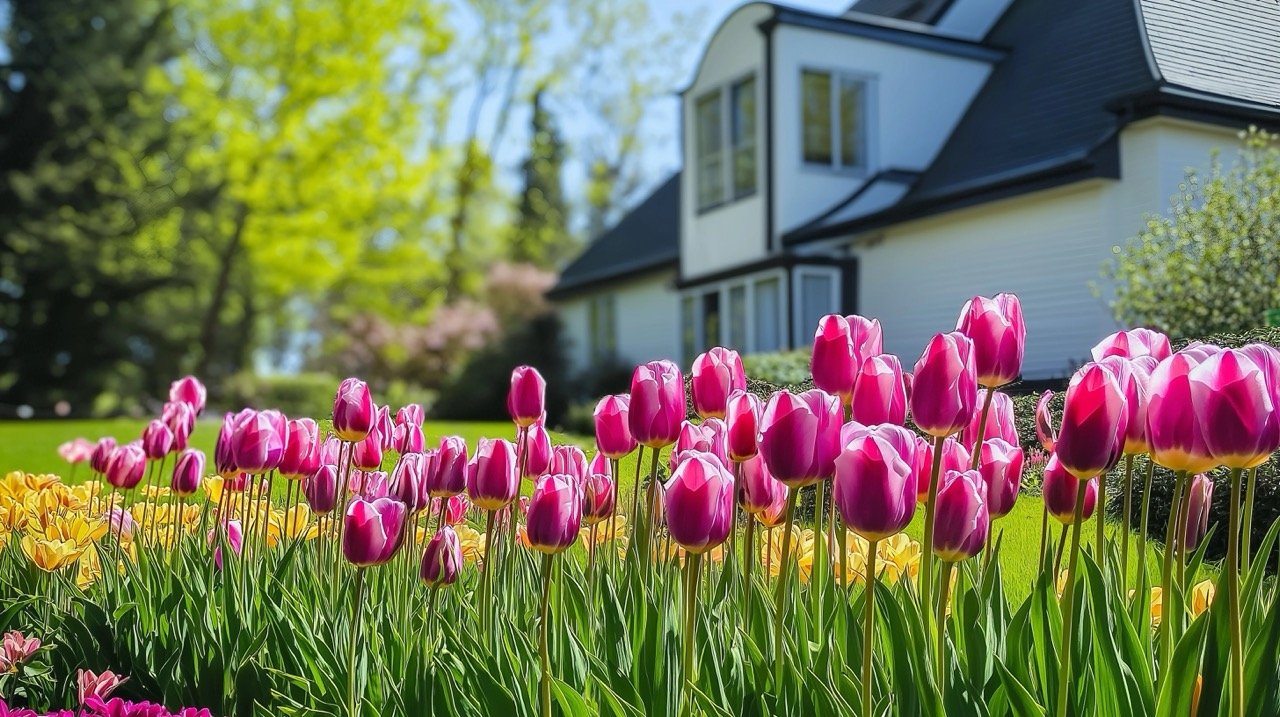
x,y
788,368
304,394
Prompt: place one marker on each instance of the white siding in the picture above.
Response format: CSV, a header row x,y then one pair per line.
x,y
1047,247
647,319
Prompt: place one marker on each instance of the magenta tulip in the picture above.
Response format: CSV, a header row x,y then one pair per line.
x,y
492,480
1134,376
411,415
759,490
1094,422
101,455
1174,429
181,419
875,486
408,481
1046,427
742,426
450,475
657,404
386,428
232,532
321,489
833,364
455,509
570,461
946,385
370,484
999,336
961,518
1001,468
867,337
554,516
190,391
598,498
1060,488
353,410
1198,510
879,394
408,438
800,436
187,473
366,454
301,449
698,502
442,559
1236,409
537,451
1000,422
127,466
224,457
527,397
716,374
706,437
372,530
955,458
157,439
1132,344
257,440
613,433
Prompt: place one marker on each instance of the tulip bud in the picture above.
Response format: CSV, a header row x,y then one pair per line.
x,y
101,455
1000,421
776,513
370,484
76,451
999,336
961,521
492,482
527,398
353,410
1059,490
800,436
657,404
181,420
372,530
875,486
570,461
190,391
450,475
1132,344
121,522
706,437
224,457
157,439
408,438
1094,422
716,374
1046,427
408,484
759,489
554,516
599,498
366,454
833,364
946,385
187,473
411,415
1235,406
257,440
1001,468
699,503
321,489
742,426
1198,510
1174,429
442,560
537,451
613,434
126,467
301,455
455,509
955,458
867,337
879,394
232,533
89,684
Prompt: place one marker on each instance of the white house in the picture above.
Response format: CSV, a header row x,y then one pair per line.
x,y
898,158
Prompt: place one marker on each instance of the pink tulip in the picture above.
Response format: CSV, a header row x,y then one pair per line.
x,y
554,516
1134,376
613,434
101,686
776,513
101,455
1200,351
1236,408
961,518
373,530
716,374
224,457
1268,359
800,436
408,481
879,394
157,439
698,501
1001,468
301,455
759,490
1000,421
386,428
181,419
190,391
1174,428
353,410
1132,344
187,473
121,522
955,458
875,486
946,385
1094,422
257,440
408,438
1060,488
569,460
370,484
442,559
1198,510
366,454
999,336
230,531
599,498
455,509
127,466
450,475
867,337
1046,427
833,363
742,426
411,415
657,404
492,480
537,451
706,437
321,489
527,398
16,648
76,451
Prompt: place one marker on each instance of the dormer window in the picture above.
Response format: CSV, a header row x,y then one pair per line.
x,y
834,120
725,143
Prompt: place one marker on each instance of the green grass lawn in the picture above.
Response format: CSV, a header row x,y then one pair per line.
x,y
32,446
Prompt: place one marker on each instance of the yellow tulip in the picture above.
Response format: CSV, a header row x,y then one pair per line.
x,y
1202,597
88,569
213,489
49,555
288,525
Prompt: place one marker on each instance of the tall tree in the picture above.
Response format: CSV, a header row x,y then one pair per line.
x,y
541,232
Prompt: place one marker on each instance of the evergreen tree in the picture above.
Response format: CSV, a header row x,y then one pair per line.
x,y
541,232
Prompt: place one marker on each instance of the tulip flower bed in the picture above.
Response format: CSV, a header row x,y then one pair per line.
x,y
295,572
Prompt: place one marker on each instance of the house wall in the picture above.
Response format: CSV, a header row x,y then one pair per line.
x,y
1048,247
647,317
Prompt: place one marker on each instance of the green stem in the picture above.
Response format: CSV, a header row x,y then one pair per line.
x,y
651,521
635,498
784,589
976,458
1233,597
1100,523
868,626
817,576
1183,513
1246,530
747,560
544,682
1068,603
1166,575
1124,525
944,595
1142,530
1057,562
488,571
1044,533
353,644
926,568
690,626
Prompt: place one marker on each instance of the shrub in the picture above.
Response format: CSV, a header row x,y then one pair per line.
x,y
787,368
304,394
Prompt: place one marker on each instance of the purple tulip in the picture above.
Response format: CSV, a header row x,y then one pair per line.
x,y
1060,488
1046,427
450,475
698,502
961,521
1132,344
1094,422
126,467
537,451
187,473
232,533
190,391
706,437
1001,468
554,517
1000,422
879,394
1235,405
833,364
1174,429
353,410
569,460
370,484
1198,510
408,438
157,439
408,481
411,415
372,530
321,489
657,404
945,385
999,336
101,455
257,440
800,436
492,480
181,419
598,498
715,375
366,454
301,449
955,458
613,434
742,426
331,450
527,398
442,559
875,485
759,490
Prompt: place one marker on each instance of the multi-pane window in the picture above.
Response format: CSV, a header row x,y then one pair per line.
x,y
768,315
834,116
742,136
710,150
737,324
725,144
602,328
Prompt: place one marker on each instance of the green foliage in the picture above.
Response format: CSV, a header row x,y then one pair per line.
x,y
304,394
787,368
1213,263
541,233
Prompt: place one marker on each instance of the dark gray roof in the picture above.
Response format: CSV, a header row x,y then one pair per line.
x,y
646,239
926,11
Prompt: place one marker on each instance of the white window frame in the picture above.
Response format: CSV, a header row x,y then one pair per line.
x,y
838,78
802,334
747,281
598,350
726,151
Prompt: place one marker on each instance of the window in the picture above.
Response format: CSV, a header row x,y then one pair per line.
x,y
601,328
688,329
709,153
834,116
768,315
710,319
737,338
742,135
815,295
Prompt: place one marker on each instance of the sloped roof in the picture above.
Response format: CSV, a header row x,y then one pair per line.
x,y
646,239
926,11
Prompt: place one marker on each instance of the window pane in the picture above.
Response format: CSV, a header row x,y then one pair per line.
x,y
767,306
709,149
710,319
743,136
688,329
815,300
852,129
817,116
737,338
608,327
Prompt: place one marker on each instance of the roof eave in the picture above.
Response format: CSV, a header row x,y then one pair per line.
x,y
565,290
